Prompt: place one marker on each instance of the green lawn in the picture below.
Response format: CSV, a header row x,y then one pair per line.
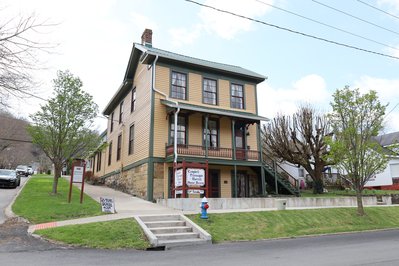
x,y
38,205
290,223
124,233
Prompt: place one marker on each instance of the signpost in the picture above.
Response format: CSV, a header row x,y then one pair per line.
x,y
190,178
77,176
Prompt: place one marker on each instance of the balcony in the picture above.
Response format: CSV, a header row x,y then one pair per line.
x,y
225,153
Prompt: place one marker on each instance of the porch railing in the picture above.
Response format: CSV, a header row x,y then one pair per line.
x,y
196,150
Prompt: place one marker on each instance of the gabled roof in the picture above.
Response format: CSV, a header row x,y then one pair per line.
x,y
146,55
388,139
196,62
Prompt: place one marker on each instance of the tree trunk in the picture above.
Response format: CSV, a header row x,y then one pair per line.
x,y
318,186
360,209
57,175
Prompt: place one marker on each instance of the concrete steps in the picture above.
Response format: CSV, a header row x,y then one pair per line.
x,y
172,231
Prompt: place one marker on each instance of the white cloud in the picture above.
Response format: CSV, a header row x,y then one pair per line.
x,y
142,22
388,92
309,89
182,36
226,25
394,3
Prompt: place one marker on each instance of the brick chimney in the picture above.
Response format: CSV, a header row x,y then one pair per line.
x,y
146,38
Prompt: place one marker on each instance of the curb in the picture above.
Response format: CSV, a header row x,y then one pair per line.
x,y
8,210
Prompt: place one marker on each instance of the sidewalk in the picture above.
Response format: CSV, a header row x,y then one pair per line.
x,y
126,206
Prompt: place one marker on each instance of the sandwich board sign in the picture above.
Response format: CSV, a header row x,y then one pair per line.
x,y
107,205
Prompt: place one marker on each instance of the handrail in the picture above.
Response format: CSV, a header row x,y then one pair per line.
x,y
281,171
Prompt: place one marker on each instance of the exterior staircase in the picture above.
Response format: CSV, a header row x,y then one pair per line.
x,y
172,230
274,173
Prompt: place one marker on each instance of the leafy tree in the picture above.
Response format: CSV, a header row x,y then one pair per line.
x,y
300,140
356,120
62,126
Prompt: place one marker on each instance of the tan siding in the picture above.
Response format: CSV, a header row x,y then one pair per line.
x,y
162,82
195,130
224,94
225,175
195,88
161,120
252,138
250,100
225,132
140,118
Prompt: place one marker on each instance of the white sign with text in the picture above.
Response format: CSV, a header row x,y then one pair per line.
x,y
107,205
195,177
179,178
77,174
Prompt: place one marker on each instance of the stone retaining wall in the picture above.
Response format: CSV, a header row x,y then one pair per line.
x,y
265,203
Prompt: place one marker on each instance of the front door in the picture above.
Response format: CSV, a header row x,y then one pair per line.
x,y
242,185
240,141
214,180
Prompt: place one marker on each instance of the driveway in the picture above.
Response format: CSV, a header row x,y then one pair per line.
x,y
6,196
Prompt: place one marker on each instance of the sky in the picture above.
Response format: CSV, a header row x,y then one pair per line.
x,y
94,39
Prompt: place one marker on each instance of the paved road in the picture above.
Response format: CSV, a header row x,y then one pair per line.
x,y
373,248
6,195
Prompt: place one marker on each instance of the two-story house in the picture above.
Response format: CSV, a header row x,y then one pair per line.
x,y
171,108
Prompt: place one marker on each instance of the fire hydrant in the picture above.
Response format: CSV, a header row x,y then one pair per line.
x,y
204,208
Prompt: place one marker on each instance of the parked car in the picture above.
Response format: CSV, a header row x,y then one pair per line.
x,y
9,178
22,170
30,170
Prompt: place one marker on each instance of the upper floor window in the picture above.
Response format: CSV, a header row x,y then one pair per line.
x,y
120,112
211,135
209,91
179,85
110,153
181,130
237,96
131,139
133,105
119,148
112,122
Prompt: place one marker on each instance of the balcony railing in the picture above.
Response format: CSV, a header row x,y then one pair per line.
x,y
196,150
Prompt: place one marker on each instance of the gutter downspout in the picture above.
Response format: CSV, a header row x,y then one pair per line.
x,y
176,113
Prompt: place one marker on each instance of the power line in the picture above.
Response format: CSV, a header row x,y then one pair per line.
x,y
294,31
376,8
355,17
327,25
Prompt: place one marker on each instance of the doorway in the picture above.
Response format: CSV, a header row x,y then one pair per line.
x,y
214,180
239,130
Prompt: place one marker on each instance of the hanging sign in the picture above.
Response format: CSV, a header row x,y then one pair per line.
x,y
195,191
195,177
179,178
78,174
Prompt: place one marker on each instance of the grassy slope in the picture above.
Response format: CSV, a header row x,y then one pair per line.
x,y
289,223
36,203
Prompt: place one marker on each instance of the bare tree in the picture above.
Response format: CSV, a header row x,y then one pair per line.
x,y
19,55
300,140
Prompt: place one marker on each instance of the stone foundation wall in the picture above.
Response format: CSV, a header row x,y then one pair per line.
x,y
158,181
133,181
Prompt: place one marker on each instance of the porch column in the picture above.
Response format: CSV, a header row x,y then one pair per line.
x,y
206,136
260,149
234,192
233,138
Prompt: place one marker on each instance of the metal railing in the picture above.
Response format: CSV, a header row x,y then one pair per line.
x,y
197,150
278,169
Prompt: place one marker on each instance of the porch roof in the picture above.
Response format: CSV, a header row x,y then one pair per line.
x,y
216,111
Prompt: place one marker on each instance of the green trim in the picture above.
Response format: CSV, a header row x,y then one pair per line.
x,y
262,172
169,159
206,134
217,89
244,103
135,164
150,179
233,137
180,71
216,111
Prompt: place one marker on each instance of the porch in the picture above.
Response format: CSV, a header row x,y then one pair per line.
x,y
209,152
